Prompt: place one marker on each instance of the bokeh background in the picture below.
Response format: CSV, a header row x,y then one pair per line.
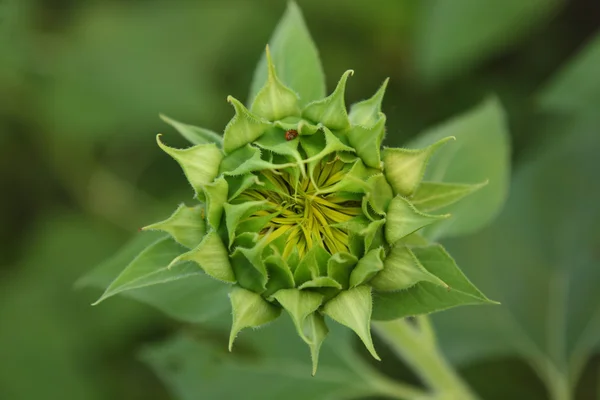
x,y
82,83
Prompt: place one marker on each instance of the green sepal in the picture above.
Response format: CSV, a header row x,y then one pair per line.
x,y
216,195
366,112
244,160
312,265
299,304
238,184
234,213
403,219
194,134
353,308
211,255
401,270
367,141
321,282
319,146
380,193
274,140
280,275
404,168
354,180
432,196
186,225
275,100
373,234
249,266
249,310
340,266
367,267
245,127
200,163
331,111
316,330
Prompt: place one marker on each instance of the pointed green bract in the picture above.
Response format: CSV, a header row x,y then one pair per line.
x,y
367,267
216,196
367,112
236,212
275,100
186,225
340,266
296,58
299,304
249,310
211,255
432,196
403,219
149,268
316,330
352,308
367,141
245,127
404,168
331,111
200,163
194,134
401,270
380,194
280,275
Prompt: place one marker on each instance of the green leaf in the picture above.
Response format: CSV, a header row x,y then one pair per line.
x,y
150,267
330,111
575,88
352,308
432,196
367,267
481,153
244,128
485,30
275,100
280,368
367,141
211,255
186,225
404,168
299,304
295,57
249,310
402,270
194,134
200,163
367,112
547,237
183,299
280,275
426,297
403,219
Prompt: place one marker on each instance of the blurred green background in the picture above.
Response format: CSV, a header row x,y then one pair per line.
x,y
82,83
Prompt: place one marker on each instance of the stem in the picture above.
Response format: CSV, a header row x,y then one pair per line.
x,y
423,356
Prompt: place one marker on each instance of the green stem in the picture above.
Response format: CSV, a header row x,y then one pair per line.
x,y
423,356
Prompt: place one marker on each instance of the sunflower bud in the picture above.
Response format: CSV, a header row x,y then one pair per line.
x,y
302,213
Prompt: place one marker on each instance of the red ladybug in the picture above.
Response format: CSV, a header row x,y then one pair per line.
x,y
291,134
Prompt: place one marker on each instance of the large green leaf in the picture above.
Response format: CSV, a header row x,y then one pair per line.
x,y
295,58
576,87
480,153
451,289
453,36
540,259
196,298
273,366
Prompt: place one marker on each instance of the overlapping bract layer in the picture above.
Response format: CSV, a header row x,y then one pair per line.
x,y
301,210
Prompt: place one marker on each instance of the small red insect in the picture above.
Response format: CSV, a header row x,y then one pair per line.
x,y
291,134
